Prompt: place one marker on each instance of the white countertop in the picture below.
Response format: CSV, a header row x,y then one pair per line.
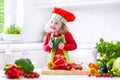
x,y
59,77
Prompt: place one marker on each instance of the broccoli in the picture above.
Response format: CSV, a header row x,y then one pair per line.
x,y
25,64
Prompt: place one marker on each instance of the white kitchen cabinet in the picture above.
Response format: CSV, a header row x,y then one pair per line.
x,y
38,57
2,60
11,52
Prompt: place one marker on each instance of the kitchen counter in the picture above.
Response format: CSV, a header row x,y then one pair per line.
x,y
59,77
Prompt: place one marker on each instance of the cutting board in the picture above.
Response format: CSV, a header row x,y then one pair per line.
x,y
46,71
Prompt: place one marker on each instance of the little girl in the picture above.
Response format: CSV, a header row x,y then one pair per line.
x,y
59,40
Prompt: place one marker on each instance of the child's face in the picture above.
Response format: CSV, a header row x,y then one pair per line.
x,y
55,25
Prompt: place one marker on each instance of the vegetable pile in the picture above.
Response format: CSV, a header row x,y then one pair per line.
x,y
109,57
22,68
63,65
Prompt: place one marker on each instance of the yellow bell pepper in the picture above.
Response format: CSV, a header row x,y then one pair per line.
x,y
92,71
50,65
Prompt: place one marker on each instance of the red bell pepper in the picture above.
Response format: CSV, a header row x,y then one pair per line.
x,y
72,64
59,61
63,66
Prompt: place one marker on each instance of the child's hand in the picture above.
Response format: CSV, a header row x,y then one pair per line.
x,y
61,45
50,44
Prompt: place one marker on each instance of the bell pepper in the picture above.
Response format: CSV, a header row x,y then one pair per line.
x,y
14,72
72,64
7,66
50,65
63,66
59,61
92,65
92,71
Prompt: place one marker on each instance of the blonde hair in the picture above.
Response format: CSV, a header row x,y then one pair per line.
x,y
62,30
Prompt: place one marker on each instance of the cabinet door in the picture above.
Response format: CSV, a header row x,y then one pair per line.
x,y
5,59
2,60
38,57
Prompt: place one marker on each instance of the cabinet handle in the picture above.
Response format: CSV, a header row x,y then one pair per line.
x,y
25,53
8,50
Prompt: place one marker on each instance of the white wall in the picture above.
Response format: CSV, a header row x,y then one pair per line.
x,y
34,21
92,22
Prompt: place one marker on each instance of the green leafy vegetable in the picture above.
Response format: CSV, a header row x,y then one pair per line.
x,y
55,45
25,64
12,29
99,63
109,65
108,50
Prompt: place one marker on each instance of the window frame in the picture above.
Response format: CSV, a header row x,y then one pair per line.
x,y
2,23
12,16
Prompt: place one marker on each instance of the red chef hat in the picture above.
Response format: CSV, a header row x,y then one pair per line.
x,y
62,15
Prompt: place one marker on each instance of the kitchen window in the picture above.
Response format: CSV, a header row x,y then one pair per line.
x,y
1,15
10,13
